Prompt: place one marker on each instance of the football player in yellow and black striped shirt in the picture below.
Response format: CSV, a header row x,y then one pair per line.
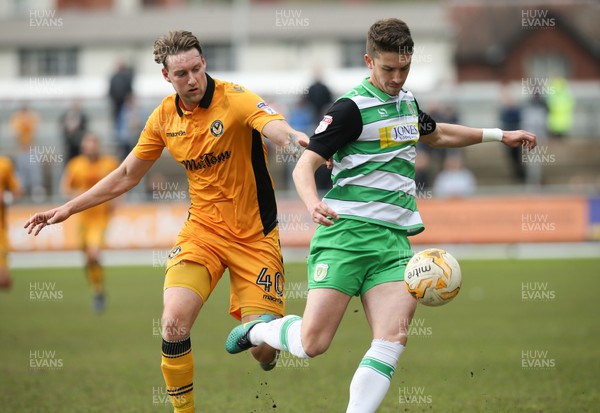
x,y
10,184
81,173
214,130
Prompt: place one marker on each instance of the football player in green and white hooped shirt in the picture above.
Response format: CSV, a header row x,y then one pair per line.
x,y
361,246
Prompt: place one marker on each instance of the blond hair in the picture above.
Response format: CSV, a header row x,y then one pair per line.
x,y
174,43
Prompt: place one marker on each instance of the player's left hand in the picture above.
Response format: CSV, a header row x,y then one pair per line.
x,y
516,138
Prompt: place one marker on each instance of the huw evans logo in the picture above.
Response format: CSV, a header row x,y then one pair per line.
x,y
532,18
44,291
44,359
534,222
290,18
537,360
44,18
414,395
536,291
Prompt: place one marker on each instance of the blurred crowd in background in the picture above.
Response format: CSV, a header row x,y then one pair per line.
x,y
490,80
442,172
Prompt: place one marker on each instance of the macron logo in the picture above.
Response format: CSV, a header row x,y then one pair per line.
x,y
175,134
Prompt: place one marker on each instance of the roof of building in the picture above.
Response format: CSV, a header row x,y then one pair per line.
x,y
487,33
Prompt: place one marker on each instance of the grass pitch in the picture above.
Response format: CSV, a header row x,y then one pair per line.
x,y
522,336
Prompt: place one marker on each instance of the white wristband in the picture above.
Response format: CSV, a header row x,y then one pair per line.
x,y
491,135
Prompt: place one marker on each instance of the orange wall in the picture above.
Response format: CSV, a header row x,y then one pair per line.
x,y
504,220
473,220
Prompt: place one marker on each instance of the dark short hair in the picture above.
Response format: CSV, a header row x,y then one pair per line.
x,y
389,35
174,43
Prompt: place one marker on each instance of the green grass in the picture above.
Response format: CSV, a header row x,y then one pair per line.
x,y
464,357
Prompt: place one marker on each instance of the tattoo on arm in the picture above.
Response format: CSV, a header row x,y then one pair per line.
x,y
294,148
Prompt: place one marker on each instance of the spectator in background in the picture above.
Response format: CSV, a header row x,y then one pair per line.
x,y
74,123
121,86
510,119
560,108
423,175
320,97
302,118
24,123
535,119
445,112
131,122
9,188
302,115
454,180
431,160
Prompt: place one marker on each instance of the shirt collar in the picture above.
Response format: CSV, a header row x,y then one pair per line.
x,y
380,94
206,99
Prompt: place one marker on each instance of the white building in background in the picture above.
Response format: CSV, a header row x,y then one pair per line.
x,y
54,50
272,48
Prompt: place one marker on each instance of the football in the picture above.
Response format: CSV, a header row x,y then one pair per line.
x,y
433,277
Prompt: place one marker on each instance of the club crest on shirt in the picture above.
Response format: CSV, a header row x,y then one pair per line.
x,y
217,128
324,124
412,108
320,272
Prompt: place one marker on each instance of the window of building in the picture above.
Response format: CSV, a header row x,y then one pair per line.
x,y
219,57
353,52
48,62
547,65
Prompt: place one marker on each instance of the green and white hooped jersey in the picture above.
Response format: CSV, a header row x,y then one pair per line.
x,y
372,137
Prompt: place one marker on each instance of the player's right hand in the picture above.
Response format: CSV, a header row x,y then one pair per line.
x,y
321,214
329,163
42,219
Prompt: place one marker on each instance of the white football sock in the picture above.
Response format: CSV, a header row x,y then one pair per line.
x,y
281,334
373,376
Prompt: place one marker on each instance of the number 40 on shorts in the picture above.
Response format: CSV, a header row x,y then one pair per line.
x,y
264,280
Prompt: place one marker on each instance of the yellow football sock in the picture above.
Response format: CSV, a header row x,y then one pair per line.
x,y
178,370
95,275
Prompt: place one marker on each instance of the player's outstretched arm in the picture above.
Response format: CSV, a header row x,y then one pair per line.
x,y
447,135
126,176
281,133
304,179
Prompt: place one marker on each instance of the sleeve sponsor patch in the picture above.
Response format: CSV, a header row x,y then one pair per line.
x,y
327,120
268,109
